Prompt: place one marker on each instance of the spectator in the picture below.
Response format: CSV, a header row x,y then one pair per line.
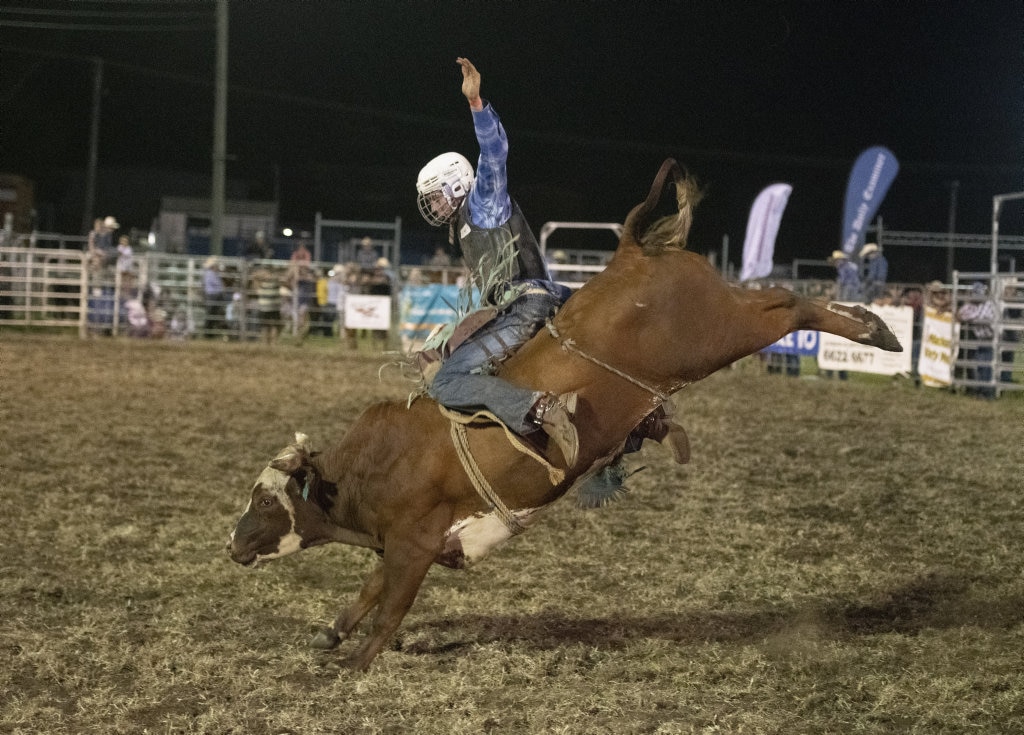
x,y
848,288
336,289
322,321
99,247
301,254
938,297
876,271
914,298
440,258
381,283
366,255
267,286
138,319
214,298
259,248
125,263
302,281
975,316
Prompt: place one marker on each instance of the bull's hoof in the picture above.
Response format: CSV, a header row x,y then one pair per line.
x,y
325,639
355,662
881,336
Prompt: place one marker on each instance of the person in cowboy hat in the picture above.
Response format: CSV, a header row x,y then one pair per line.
x,y
876,271
848,288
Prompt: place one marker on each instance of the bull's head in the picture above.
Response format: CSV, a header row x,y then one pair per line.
x,y
272,524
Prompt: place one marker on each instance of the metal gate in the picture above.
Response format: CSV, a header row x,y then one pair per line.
x,y
988,332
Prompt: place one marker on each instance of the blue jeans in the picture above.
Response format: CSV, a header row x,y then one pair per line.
x,y
464,381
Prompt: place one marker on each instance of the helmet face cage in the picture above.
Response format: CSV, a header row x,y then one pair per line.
x,y
436,206
442,185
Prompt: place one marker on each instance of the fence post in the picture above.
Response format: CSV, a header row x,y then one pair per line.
x,y
83,300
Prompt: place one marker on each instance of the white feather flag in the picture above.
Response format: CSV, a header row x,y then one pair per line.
x,y
762,227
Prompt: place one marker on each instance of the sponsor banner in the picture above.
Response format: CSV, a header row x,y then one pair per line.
x,y
870,177
367,312
423,309
804,342
762,227
935,362
838,353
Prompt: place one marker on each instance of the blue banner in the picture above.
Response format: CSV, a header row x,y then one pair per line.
x,y
803,342
870,178
422,308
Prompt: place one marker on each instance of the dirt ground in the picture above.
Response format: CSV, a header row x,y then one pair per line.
x,y
838,557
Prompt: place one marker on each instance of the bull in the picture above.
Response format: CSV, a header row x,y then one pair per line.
x,y
420,488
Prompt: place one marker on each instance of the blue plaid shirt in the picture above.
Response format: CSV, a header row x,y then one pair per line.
x,y
489,202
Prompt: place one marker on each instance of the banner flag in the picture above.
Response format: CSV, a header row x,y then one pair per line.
x,y
869,181
422,309
802,342
935,362
762,227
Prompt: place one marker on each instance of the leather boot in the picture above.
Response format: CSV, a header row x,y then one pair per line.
x,y
658,426
553,415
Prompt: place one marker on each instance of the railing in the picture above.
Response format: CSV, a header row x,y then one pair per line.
x,y
989,329
56,288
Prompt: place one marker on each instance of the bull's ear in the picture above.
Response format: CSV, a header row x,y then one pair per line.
x,y
294,455
287,461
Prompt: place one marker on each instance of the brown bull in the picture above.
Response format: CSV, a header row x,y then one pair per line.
x,y
659,317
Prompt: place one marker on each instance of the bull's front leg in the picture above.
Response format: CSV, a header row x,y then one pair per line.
x,y
346,622
402,572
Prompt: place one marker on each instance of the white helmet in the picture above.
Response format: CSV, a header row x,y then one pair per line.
x,y
442,185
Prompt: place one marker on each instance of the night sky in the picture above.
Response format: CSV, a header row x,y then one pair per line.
x,y
337,105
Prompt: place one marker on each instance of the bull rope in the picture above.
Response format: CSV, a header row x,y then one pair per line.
x,y
569,345
483,487
460,439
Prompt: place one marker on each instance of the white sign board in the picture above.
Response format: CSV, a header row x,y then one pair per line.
x,y
936,360
367,312
839,353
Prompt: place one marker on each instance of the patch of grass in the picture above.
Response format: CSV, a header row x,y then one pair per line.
x,y
838,557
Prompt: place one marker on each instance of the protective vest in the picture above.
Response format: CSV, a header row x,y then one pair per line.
x,y
487,244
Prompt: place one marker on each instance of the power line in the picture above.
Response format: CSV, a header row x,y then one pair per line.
x,y
71,12
64,19
38,25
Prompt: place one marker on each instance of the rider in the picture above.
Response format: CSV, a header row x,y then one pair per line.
x,y
484,219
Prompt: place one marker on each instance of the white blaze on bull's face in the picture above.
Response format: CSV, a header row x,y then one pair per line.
x,y
266,529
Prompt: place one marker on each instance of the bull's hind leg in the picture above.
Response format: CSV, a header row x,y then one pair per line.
x,y
329,638
853,322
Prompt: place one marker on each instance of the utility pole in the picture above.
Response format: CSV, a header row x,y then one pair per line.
x,y
94,143
220,115
954,189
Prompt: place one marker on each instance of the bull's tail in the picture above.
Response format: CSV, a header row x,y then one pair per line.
x,y
666,231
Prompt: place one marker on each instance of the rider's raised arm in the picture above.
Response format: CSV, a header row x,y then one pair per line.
x,y
489,202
